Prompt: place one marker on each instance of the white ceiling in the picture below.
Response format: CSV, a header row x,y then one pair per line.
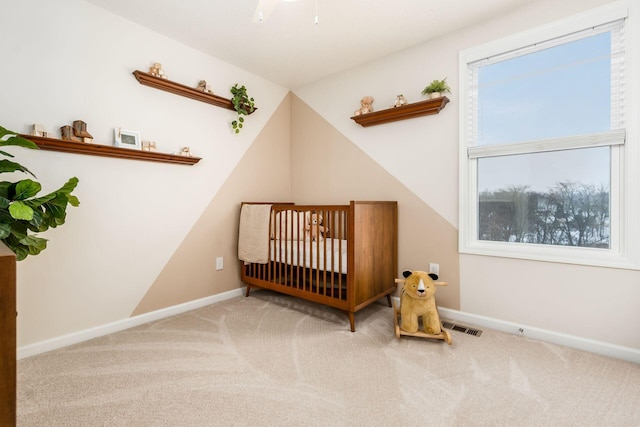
x,y
287,47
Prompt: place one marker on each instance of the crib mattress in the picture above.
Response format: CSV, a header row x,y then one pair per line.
x,y
326,255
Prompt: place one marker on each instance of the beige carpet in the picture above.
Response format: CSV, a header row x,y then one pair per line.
x,y
271,360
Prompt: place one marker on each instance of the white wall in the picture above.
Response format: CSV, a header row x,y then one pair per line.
x,y
594,303
68,60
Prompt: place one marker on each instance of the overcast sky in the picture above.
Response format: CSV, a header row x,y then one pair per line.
x,y
556,92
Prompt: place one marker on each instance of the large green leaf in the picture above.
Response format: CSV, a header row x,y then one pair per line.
x,y
34,203
58,214
19,210
4,188
5,230
55,211
19,230
69,186
9,166
21,251
37,222
26,188
73,200
34,242
8,137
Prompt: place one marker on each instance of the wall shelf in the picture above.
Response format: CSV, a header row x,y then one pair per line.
x,y
53,144
182,90
408,111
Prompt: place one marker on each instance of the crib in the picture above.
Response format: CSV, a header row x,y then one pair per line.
x,y
341,256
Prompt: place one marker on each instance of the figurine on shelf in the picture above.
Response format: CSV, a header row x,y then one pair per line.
x,y
185,151
66,133
80,130
400,101
365,106
148,146
39,130
157,71
204,87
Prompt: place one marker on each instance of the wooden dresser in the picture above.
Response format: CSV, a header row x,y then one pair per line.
x,y
7,336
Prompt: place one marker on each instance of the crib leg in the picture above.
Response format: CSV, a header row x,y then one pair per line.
x,y
352,321
247,292
389,300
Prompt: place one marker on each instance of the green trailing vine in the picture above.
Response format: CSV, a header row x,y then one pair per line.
x,y
21,213
243,104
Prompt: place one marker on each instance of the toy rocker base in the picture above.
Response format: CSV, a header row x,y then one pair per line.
x,y
444,335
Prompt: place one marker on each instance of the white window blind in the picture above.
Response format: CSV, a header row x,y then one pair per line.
x,y
615,135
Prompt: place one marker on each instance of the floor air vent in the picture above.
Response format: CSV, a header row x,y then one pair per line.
x,y
459,328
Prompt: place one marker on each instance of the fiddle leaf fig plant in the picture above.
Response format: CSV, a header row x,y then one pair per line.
x,y
21,213
243,104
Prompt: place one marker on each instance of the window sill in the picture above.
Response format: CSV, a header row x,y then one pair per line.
x,y
556,254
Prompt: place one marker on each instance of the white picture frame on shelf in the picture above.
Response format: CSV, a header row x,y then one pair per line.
x,y
127,139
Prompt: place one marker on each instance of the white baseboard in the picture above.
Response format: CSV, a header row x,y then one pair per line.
x,y
120,325
598,347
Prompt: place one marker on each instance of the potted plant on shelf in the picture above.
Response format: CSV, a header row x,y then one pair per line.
x,y
243,105
21,213
437,88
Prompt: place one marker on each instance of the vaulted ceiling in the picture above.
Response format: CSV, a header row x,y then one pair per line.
x,y
287,46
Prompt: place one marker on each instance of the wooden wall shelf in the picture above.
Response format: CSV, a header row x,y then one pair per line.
x,y
53,144
409,111
182,90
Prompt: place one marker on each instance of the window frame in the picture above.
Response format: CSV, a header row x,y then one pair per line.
x,y
624,251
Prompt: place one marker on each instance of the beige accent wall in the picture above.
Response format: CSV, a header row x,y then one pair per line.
x,y
327,168
314,164
263,174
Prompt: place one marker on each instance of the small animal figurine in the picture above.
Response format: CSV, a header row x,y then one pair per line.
x,y
400,101
366,106
204,87
157,71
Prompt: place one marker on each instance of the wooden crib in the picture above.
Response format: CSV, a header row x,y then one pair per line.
x,y
352,263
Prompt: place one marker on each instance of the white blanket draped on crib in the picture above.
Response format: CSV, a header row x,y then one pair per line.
x,y
253,236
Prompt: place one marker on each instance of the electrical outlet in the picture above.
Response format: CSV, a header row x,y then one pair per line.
x,y
434,268
219,263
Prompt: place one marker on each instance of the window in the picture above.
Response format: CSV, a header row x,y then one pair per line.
x,y
544,144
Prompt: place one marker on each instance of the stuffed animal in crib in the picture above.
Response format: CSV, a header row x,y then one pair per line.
x,y
314,230
418,301
366,106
